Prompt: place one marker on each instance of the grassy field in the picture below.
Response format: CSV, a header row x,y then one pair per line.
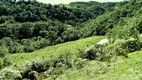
x,y
72,47
119,69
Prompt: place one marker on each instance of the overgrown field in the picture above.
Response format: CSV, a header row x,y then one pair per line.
x,y
72,47
119,68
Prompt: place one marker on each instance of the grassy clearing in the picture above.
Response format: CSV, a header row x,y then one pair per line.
x,y
128,69
72,47
121,69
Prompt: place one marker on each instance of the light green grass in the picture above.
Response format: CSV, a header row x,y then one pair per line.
x,y
72,47
121,69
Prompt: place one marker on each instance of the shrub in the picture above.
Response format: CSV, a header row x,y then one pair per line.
x,y
10,74
43,33
132,45
28,45
33,75
89,54
3,51
25,69
51,67
40,65
28,48
64,59
59,64
79,62
6,62
44,42
125,32
117,48
1,64
16,48
31,70
94,52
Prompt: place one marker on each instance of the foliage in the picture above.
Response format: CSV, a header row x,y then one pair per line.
x,y
56,66
1,64
26,26
51,61
122,69
119,47
6,61
53,24
9,73
3,51
58,23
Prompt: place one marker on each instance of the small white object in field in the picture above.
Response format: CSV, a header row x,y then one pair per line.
x,y
103,41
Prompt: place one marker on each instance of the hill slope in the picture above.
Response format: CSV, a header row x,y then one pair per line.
x,y
119,68
72,47
121,22
54,52
122,69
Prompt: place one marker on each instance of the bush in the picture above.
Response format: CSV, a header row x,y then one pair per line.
x,y
40,65
1,63
90,54
3,51
25,70
6,62
132,45
43,33
10,74
16,49
79,62
31,70
29,48
28,45
117,48
125,32
43,43
49,67
94,52
33,75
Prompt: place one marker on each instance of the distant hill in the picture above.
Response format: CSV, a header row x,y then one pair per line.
x,y
26,23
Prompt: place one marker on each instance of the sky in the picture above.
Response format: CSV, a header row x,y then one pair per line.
x,y
68,1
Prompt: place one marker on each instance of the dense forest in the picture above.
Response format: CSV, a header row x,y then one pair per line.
x,y
30,25
26,26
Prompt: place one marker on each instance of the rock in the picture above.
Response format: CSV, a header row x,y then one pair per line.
x,y
103,42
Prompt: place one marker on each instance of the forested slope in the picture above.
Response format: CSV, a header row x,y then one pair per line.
x,y
26,26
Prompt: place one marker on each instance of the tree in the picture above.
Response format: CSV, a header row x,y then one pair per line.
x,y
26,30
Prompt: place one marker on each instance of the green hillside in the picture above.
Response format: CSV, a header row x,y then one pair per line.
x,y
70,47
117,68
122,69
76,41
74,48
